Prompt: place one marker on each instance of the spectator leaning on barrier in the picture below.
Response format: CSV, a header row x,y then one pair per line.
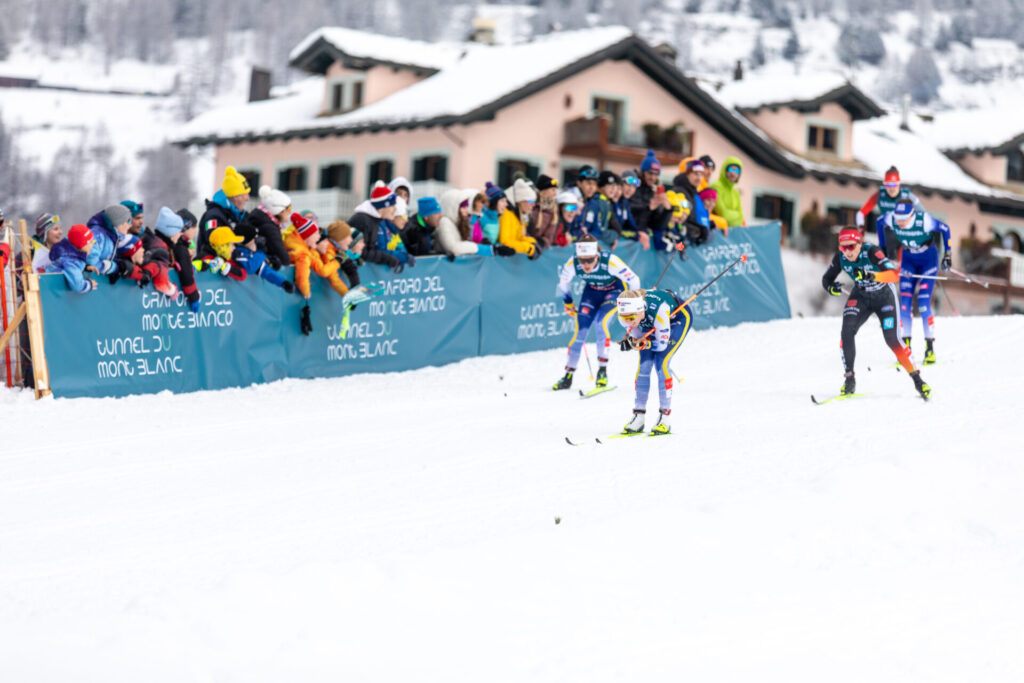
x,y
568,212
730,204
48,233
675,229
490,215
419,232
649,205
130,262
69,257
595,210
170,231
623,211
137,216
401,218
476,212
709,196
227,255
265,223
458,226
697,223
383,243
544,214
108,227
709,168
227,207
343,238
511,227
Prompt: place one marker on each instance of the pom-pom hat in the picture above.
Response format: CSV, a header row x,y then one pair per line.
x,y
306,227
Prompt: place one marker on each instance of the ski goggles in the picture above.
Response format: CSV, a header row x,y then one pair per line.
x,y
733,168
570,207
588,174
631,180
629,319
852,246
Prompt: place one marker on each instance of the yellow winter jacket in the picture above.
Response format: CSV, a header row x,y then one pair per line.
x,y
512,233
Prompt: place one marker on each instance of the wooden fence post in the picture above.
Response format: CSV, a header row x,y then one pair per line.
x,y
34,313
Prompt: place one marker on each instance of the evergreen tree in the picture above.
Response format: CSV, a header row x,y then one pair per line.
x,y
792,48
922,76
757,55
167,177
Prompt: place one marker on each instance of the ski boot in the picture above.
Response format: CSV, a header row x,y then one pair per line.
x,y
563,383
602,376
635,425
929,353
662,426
922,388
849,385
906,342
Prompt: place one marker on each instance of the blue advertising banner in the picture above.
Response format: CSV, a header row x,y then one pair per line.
x,y
122,340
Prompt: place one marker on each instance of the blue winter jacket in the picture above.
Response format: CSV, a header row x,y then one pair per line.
x,y
67,259
102,255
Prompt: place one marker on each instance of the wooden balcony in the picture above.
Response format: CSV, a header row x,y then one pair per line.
x,y
591,139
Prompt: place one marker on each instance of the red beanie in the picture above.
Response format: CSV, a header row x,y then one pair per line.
x,y
79,235
850,235
892,175
306,227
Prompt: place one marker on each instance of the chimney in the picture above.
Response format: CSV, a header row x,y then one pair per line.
x,y
668,52
483,30
259,84
737,74
905,112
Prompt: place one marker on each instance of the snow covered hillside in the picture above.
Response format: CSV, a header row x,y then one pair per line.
x,y
403,526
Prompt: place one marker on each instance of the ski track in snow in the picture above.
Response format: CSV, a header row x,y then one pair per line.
x,y
401,526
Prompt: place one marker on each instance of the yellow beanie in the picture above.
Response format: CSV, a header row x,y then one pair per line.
x,y
234,183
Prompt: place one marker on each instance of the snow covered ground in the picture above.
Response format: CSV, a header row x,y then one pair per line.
x,y
402,527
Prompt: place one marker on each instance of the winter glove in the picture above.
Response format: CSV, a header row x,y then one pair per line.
x,y
449,255
570,309
410,260
863,275
835,290
642,344
219,266
398,267
626,344
124,269
274,262
502,250
304,322
194,305
947,261
145,279
288,287
535,254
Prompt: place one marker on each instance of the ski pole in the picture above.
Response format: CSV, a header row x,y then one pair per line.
x,y
679,247
943,277
968,278
586,354
948,300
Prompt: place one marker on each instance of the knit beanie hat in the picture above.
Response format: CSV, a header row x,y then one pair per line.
x,y
427,206
546,182
357,236
607,178
188,219
130,246
117,215
650,162
381,197
79,235
306,227
135,209
521,192
709,193
224,235
338,231
44,222
493,192
234,183
892,175
275,200
168,223
708,161
568,197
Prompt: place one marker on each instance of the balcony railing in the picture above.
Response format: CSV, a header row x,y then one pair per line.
x,y
590,138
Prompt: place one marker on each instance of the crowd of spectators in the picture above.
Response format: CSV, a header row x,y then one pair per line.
x,y
528,217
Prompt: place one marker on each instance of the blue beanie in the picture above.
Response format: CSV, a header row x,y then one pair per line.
x,y
136,209
493,192
650,162
427,206
168,223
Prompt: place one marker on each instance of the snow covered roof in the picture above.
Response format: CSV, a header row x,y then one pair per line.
x,y
467,89
782,85
335,42
975,130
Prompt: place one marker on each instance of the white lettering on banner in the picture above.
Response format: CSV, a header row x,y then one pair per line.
x,y
537,311
548,328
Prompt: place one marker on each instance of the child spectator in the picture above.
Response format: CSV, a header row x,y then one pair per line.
x,y
568,211
69,256
265,223
383,243
227,208
109,227
137,216
418,234
650,207
490,216
595,211
544,215
343,238
169,237
229,257
48,233
710,197
675,230
730,205
697,223
130,257
402,189
511,228
476,213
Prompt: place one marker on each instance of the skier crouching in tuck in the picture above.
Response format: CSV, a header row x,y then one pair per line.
x,y
605,276
656,323
874,292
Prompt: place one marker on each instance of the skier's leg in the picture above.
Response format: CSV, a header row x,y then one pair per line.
x,y
645,363
883,302
854,315
906,298
604,314
924,295
584,319
680,327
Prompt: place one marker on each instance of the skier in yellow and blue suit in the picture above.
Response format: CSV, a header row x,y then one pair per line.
x,y
656,324
605,275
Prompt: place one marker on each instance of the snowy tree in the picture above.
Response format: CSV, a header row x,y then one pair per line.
x,y
791,50
860,43
943,39
167,178
692,6
757,55
962,28
922,76
18,178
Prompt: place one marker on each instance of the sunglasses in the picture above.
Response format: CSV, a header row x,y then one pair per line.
x,y
632,180
849,247
629,318
732,169
587,259
570,207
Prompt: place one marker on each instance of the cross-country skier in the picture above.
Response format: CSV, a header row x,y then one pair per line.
x,y
605,275
874,292
917,231
656,324
885,199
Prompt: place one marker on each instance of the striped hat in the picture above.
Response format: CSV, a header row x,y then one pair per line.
x,y
306,227
381,198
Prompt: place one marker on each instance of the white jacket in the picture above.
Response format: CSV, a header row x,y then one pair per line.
x,y
448,229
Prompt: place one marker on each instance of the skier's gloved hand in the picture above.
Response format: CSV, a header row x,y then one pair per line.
x,y
642,344
626,344
863,275
947,261
570,309
835,290
305,324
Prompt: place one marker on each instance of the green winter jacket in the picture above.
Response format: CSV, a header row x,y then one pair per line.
x,y
729,206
